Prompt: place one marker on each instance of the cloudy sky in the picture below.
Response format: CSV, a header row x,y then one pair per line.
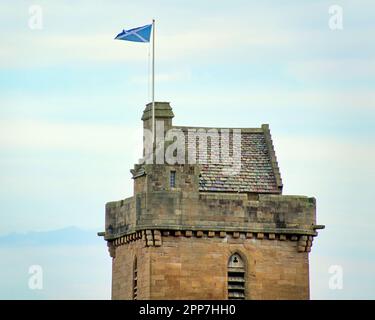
x,y
71,99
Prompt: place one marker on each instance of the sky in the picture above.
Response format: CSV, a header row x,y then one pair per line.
x,y
71,99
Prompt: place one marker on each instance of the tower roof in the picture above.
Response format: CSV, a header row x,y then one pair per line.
x,y
258,173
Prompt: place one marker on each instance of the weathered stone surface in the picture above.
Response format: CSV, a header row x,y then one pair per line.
x,y
275,269
211,234
273,214
236,235
199,234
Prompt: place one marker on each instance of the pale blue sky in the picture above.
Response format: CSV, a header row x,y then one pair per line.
x,y
71,99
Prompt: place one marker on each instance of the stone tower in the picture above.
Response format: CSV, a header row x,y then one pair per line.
x,y
211,225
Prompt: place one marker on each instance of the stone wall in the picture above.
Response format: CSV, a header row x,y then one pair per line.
x,y
194,266
182,210
122,271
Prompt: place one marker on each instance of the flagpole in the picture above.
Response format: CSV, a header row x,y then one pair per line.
x,y
153,80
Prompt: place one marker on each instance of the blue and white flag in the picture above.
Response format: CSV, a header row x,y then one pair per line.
x,y
140,34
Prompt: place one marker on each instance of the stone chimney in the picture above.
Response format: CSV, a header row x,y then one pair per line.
x,y
163,112
163,123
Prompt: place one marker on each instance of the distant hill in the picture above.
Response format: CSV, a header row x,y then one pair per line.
x,y
65,236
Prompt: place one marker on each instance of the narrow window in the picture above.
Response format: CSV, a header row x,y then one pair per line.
x,y
135,279
236,278
172,179
191,170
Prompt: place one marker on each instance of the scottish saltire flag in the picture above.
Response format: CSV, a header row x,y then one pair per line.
x,y
140,34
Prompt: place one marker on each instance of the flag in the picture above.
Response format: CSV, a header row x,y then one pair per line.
x,y
140,34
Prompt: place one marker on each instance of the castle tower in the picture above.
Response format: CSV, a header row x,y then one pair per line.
x,y
214,225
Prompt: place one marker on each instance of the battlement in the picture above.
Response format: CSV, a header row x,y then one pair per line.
x,y
176,210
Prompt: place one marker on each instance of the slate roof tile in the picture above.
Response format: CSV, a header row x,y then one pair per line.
x,y
258,172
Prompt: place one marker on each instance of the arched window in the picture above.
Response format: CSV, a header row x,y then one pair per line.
x,y
236,278
135,279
